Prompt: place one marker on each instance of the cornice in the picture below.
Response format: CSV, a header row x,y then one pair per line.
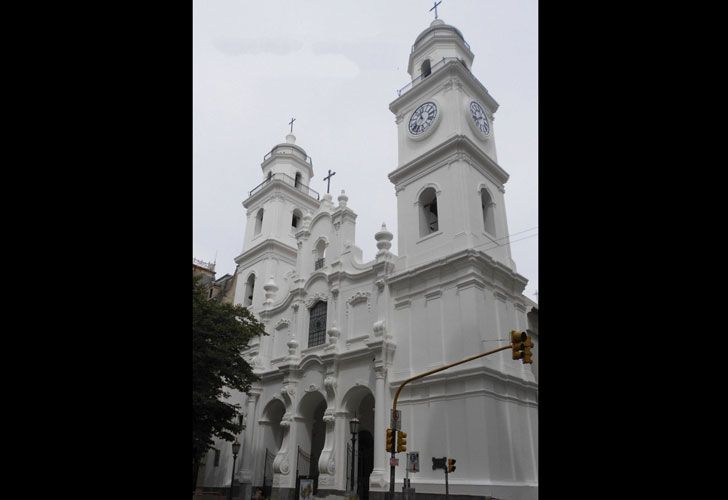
x,y
268,245
451,69
486,261
276,185
457,147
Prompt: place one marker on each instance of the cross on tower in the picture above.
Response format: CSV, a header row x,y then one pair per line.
x,y
291,123
328,180
435,7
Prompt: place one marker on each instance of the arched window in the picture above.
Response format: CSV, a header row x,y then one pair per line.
x,y
297,182
425,68
296,219
259,221
317,324
320,254
487,205
428,212
249,289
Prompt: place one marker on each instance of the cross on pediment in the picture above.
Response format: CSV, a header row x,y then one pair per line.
x,y
328,180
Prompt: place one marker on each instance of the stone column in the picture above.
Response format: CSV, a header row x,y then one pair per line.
x,y
379,477
245,474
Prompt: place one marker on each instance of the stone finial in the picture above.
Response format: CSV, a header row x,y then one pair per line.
x,y
343,199
292,346
291,139
326,201
334,334
270,290
384,240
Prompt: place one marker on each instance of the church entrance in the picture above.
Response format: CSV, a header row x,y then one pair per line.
x,y
359,402
366,463
312,409
270,425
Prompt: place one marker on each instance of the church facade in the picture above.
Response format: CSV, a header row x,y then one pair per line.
x,y
343,334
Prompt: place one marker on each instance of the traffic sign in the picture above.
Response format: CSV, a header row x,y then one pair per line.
x,y
393,461
413,461
438,463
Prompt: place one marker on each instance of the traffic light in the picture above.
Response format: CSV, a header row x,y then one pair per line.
x,y
527,344
390,441
451,465
401,442
517,340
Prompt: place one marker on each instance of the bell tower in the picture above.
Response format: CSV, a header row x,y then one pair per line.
x,y
449,185
275,210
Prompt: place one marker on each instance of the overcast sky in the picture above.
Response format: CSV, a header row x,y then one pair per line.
x,y
335,66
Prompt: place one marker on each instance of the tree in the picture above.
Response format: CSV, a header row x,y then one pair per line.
x,y
220,332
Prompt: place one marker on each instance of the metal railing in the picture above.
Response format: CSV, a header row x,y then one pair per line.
x,y
437,66
318,264
268,473
286,179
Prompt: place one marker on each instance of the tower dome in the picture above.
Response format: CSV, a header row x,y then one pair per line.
x,y
437,42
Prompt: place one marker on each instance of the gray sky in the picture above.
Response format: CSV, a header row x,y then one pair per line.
x,y
335,66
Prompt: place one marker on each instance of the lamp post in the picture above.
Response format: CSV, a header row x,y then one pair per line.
x,y
354,426
236,449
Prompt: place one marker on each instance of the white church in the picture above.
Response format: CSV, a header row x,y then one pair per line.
x,y
343,334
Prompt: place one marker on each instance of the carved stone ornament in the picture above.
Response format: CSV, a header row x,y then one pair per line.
x,y
330,382
282,323
334,333
280,464
310,301
292,345
332,465
380,284
357,297
311,388
379,329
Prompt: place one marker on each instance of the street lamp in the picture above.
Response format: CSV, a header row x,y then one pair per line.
x,y
236,449
354,426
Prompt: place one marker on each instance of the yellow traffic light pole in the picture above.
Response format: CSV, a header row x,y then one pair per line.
x,y
422,375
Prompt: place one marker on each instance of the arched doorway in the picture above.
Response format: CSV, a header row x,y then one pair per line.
x,y
359,401
311,442
366,463
270,425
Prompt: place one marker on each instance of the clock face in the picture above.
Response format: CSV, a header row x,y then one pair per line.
x,y
422,118
479,117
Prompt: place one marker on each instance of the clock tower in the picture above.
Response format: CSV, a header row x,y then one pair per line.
x,y
448,182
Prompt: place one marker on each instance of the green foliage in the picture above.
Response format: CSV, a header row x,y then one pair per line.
x,y
220,332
